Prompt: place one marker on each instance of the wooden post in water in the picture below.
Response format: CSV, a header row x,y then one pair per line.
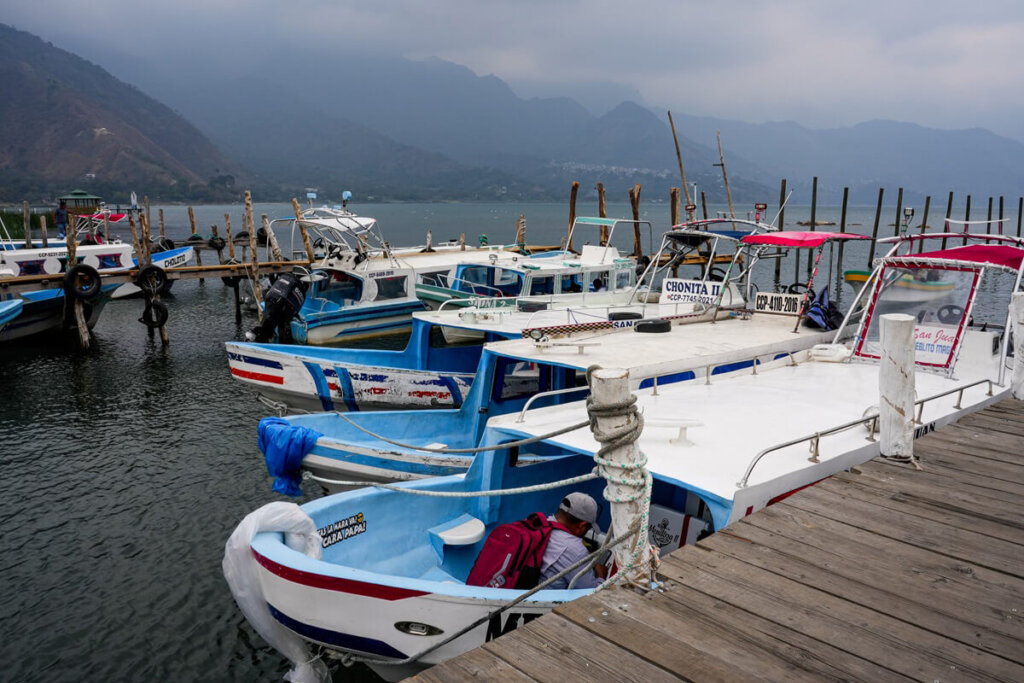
x,y
1000,214
572,212
602,211
1017,318
896,386
634,202
42,230
196,243
781,226
924,222
216,239
257,289
144,257
1020,213
899,213
874,232
160,223
673,198
77,305
839,258
106,227
949,212
145,203
462,241
624,474
275,250
725,177
682,173
154,298
305,235
814,222
230,239
135,236
988,225
232,281
967,218
26,218
704,204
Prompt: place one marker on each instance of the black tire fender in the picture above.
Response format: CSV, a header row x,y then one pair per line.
x,y
624,315
151,279
154,315
83,282
653,326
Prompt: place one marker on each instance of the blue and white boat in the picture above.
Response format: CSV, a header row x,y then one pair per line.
x,y
9,310
386,580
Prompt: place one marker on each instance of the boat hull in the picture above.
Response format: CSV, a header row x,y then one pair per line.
x,y
43,312
354,324
172,258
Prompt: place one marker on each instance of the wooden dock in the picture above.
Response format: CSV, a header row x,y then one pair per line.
x,y
885,573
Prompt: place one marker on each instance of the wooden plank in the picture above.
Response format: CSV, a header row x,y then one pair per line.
x,y
956,459
902,647
948,442
937,607
943,480
668,634
556,649
964,545
914,496
994,423
475,665
992,444
822,660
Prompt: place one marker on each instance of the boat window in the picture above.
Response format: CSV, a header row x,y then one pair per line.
x,y
508,282
435,279
542,285
516,379
623,279
937,297
341,286
597,280
572,283
390,287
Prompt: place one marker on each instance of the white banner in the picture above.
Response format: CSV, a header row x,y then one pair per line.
x,y
675,291
768,302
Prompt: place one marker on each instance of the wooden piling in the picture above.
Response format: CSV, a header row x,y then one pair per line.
x,y
26,218
305,235
967,217
949,212
874,231
725,177
275,250
899,213
227,232
145,203
704,204
602,211
106,227
257,289
160,225
896,386
842,243
195,247
673,198
988,225
572,212
814,222
781,226
679,158
216,237
1020,213
634,202
42,230
146,258
77,306
1000,215
135,234
924,222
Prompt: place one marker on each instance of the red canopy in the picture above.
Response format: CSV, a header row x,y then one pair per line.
x,y
982,254
797,238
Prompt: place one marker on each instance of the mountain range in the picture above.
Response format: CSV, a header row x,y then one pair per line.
x,y
391,128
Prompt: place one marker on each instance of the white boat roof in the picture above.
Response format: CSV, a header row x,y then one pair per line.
x,y
741,414
684,347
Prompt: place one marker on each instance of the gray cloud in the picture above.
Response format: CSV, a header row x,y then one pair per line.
x,y
821,63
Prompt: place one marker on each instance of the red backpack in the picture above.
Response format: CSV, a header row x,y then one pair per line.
x,y
512,554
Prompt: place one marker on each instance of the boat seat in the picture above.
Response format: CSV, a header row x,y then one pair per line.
x,y
464,530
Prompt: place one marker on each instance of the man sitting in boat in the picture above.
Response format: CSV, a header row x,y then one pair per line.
x,y
578,514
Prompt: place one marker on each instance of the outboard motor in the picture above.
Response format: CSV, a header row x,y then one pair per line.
x,y
281,304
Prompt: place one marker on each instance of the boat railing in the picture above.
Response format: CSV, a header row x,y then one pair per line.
x,y
870,421
553,392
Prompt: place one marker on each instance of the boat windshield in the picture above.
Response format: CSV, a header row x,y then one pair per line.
x,y
939,297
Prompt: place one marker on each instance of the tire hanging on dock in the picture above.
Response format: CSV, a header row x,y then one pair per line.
x,y
154,315
151,279
83,282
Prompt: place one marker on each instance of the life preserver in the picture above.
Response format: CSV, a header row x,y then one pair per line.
x,y
83,282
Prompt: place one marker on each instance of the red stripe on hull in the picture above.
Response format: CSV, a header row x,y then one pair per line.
x,y
334,583
258,376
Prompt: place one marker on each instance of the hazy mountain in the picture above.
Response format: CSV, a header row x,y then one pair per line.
x,y
65,122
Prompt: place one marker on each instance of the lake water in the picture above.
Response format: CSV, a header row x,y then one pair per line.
x,y
127,466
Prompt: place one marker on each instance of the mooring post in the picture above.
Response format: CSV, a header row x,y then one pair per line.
x,y
257,290
302,230
988,225
924,222
874,231
26,218
839,257
896,386
160,223
1017,316
967,219
147,258
135,236
230,239
572,212
275,250
704,204
949,212
814,221
623,468
1020,213
77,306
216,240
634,201
781,226
602,211
899,213
195,243
42,230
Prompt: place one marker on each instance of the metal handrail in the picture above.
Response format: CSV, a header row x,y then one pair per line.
x,y
522,414
873,427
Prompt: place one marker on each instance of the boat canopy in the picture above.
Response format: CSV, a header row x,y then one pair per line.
x,y
703,223
800,239
1001,255
691,237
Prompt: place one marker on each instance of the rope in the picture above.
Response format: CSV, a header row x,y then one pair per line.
x,y
462,494
348,659
478,449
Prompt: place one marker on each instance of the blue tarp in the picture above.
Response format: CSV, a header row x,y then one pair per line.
x,y
284,446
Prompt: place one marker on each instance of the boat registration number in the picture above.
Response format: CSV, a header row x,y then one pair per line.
x,y
777,303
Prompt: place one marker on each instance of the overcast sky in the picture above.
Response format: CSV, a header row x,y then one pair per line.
x,y
822,63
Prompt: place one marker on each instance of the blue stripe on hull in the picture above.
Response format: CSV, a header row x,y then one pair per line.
x,y
347,392
323,391
345,641
252,360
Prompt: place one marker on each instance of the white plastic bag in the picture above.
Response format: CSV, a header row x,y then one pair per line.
x,y
240,571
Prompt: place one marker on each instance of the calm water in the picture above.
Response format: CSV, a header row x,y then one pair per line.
x,y
126,467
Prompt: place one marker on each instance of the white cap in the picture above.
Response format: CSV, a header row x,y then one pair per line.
x,y
581,506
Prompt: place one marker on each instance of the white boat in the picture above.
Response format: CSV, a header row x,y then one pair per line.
x,y
386,582
169,258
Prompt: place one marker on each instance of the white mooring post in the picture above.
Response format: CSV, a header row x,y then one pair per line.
x,y
1017,316
896,387
624,471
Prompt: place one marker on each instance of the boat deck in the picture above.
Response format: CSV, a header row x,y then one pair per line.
x,y
882,573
